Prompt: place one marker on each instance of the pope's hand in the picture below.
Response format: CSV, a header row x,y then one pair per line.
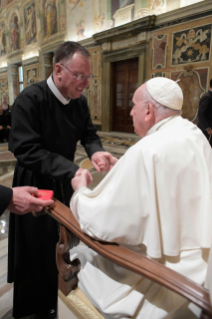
x,y
82,178
103,161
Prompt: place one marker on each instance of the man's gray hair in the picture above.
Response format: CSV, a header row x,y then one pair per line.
x,y
66,50
160,109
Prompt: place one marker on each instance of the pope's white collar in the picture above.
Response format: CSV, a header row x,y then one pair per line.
x,y
157,126
56,92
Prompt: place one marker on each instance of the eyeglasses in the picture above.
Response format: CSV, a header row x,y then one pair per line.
x,y
80,77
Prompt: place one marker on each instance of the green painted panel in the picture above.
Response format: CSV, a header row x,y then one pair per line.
x,y
108,10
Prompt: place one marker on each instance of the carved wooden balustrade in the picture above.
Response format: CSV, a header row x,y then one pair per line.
x,y
71,233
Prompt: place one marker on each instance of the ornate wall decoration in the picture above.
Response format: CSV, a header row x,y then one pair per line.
x,y
80,29
14,31
193,84
50,17
30,24
31,74
14,71
159,51
3,39
98,22
122,11
75,3
192,45
94,92
48,64
8,2
150,7
96,100
158,74
4,92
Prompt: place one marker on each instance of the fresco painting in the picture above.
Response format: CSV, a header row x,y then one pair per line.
x,y
151,7
30,24
80,29
74,4
80,19
3,42
50,17
14,32
9,2
31,76
191,45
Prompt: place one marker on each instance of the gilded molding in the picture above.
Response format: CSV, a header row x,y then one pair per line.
x,y
79,307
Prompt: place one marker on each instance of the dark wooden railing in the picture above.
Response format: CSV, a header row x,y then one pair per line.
x,y
71,233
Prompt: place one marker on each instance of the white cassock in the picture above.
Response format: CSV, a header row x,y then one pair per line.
x,y
157,200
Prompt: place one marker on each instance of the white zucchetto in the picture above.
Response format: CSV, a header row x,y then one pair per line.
x,y
166,92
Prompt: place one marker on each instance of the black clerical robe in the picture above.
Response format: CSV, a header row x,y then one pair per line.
x,y
43,138
6,194
3,123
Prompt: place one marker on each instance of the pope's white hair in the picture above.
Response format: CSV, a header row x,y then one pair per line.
x,y
161,110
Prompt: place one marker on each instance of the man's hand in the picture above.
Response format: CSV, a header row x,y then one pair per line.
x,y
23,202
1,127
103,161
82,178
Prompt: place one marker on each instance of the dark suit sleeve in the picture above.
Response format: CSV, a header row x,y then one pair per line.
x,y
205,106
5,198
26,141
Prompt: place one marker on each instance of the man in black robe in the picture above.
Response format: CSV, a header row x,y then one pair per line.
x,y
7,114
48,119
3,125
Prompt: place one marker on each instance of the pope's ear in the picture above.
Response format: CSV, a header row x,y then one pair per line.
x,y
150,112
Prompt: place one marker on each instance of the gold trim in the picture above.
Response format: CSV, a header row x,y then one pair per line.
x,y
79,305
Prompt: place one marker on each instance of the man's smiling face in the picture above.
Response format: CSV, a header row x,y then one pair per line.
x,y
70,86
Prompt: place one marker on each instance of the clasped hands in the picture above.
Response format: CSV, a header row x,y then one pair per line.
x,y
102,162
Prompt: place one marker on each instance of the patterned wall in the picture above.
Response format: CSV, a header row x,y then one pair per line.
x,y
4,94
27,26
27,23
183,53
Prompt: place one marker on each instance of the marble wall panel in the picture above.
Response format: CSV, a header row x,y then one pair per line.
x,y
159,54
193,84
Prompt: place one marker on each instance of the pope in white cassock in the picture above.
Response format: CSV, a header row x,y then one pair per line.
x,y
157,201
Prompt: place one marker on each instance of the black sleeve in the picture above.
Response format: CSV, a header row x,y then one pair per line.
x,y
9,118
5,198
204,109
26,141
